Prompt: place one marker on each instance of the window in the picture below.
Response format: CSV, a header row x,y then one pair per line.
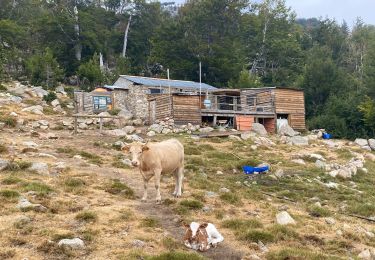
x,y
250,101
155,91
101,102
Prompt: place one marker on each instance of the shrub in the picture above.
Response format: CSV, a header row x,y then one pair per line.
x,y
9,121
86,216
51,96
114,112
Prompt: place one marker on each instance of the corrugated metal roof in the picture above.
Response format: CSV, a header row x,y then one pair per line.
x,y
155,82
114,87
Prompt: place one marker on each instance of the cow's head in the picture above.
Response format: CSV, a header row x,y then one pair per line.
x,y
135,149
196,236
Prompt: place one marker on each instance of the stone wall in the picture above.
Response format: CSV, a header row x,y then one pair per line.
x,y
83,103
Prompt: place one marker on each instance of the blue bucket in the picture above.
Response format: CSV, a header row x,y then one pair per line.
x,y
250,170
326,136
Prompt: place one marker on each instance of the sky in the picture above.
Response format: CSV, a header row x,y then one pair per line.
x,y
340,10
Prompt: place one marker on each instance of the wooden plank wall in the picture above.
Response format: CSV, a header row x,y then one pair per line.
x,y
186,109
292,102
163,106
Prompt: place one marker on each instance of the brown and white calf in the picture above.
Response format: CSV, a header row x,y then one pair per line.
x,y
201,236
155,159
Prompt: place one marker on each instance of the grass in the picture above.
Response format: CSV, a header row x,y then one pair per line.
x,y
11,180
119,164
92,158
297,253
117,187
176,255
170,244
231,198
18,165
192,150
241,224
317,211
255,236
150,222
9,195
365,209
86,216
40,188
74,184
9,121
126,215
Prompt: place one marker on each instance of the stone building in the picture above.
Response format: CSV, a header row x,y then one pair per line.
x,y
133,93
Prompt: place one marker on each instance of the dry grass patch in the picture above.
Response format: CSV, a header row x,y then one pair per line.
x,y
39,188
150,222
116,187
176,255
11,180
3,148
9,195
87,216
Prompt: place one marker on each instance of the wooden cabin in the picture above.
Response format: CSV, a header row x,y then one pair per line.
x,y
270,106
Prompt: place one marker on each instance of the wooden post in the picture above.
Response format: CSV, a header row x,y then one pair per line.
x,y
215,119
75,125
100,124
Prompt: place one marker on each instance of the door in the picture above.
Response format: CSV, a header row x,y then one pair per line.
x,y
282,119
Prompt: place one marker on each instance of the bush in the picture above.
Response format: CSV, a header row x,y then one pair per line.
x,y
51,96
9,121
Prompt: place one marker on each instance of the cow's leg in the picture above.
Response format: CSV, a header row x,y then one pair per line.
x,y
157,173
180,177
145,184
176,185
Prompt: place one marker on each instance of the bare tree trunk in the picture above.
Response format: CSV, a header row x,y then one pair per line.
x,y
78,46
101,63
126,37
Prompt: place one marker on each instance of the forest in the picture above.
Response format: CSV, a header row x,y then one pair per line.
x,y
240,43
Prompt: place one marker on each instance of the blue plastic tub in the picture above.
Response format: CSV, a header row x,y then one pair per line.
x,y
327,136
250,170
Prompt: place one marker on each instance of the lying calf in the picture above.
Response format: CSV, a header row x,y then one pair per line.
x,y
201,236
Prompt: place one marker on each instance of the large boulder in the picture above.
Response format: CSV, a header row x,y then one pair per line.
x,y
156,128
246,136
361,142
55,103
259,129
286,130
115,132
3,164
40,167
129,129
371,143
39,91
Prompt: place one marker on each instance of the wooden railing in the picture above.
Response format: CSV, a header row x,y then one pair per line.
x,y
76,116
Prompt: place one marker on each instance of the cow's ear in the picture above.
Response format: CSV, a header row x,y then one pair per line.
x,y
145,148
204,225
186,225
125,148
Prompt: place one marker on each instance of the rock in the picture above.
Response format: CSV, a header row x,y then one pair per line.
x,y
262,247
30,144
331,185
370,156
48,136
55,103
127,161
286,130
361,142
279,173
129,129
235,138
43,122
369,234
317,204
211,194
317,157
156,128
3,164
330,221
299,161
219,173
299,140
22,220
371,143
60,89
263,141
224,190
38,110
320,164
206,129
283,218
283,207
254,257
24,204
344,172
67,123
365,254
39,167
115,132
259,129
247,135
14,114
138,122
39,91
82,126
75,243
253,147
134,138
138,243
125,114
166,130
339,232
15,99
47,155
206,209
151,133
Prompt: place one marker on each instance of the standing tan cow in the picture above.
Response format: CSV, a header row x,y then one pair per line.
x,y
155,159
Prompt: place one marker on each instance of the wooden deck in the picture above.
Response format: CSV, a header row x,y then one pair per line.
x,y
231,113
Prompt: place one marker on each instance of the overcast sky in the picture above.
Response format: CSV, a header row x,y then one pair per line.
x,y
340,10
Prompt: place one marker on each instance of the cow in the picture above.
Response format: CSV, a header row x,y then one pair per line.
x,y
155,159
201,236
